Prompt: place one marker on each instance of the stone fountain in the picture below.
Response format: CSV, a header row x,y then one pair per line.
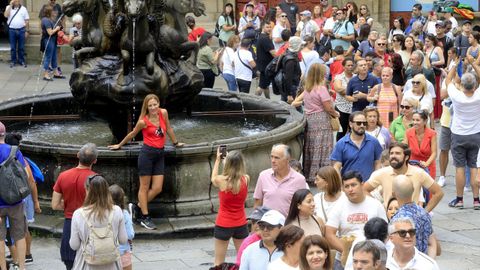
x,y
129,50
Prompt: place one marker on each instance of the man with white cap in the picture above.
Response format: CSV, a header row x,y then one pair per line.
x,y
258,255
306,27
254,236
14,212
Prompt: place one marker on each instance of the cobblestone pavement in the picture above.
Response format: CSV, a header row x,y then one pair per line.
x,y
458,230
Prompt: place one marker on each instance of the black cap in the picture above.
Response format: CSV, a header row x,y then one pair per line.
x,y
467,21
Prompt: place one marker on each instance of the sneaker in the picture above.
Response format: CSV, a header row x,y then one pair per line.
x,y
28,259
456,203
476,205
13,266
8,259
148,223
441,181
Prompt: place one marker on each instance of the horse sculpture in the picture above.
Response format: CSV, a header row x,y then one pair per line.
x,y
137,35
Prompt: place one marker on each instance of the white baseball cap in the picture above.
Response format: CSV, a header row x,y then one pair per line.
x,y
273,217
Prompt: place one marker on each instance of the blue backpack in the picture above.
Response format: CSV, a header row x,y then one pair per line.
x,y
37,173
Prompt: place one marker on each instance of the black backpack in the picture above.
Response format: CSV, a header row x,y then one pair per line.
x,y
13,179
274,72
217,26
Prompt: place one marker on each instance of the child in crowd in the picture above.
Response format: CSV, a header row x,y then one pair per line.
x,y
118,196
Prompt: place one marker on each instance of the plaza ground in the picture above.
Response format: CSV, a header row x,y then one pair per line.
x,y
458,230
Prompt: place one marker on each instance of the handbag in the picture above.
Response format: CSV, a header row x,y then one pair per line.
x,y
335,123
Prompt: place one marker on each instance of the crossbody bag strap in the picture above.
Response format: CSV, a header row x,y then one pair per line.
x,y
11,156
323,208
16,12
243,63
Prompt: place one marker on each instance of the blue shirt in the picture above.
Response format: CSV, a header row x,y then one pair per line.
x,y
130,233
422,220
364,86
4,153
357,159
257,257
344,28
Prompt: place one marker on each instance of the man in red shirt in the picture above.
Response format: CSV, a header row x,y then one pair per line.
x,y
69,194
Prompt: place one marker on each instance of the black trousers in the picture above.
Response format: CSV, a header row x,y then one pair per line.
x,y
208,78
244,86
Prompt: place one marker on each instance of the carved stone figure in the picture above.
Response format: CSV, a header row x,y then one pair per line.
x,y
131,48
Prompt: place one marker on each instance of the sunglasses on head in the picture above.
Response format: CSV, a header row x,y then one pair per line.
x,y
403,233
159,132
360,123
406,107
90,179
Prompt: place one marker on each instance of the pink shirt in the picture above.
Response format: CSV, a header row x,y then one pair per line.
x,y
277,193
313,100
252,238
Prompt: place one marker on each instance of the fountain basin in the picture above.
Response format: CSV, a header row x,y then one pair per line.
x,y
187,188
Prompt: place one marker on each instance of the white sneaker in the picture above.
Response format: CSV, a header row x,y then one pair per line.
x,y
441,181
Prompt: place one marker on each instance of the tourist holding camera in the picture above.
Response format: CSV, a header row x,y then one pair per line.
x,y
232,186
154,124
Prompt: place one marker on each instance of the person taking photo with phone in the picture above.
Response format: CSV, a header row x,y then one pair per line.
x,y
232,186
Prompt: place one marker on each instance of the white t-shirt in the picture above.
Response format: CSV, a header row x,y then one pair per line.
x,y
319,200
419,261
431,29
277,33
308,58
310,29
19,19
227,59
350,218
431,90
466,110
279,264
329,23
241,71
426,102
454,22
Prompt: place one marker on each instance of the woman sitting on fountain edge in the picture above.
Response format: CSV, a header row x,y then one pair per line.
x,y
154,124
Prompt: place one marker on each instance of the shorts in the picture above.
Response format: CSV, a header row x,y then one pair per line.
x,y
445,141
29,209
264,81
17,222
151,161
222,233
465,150
126,259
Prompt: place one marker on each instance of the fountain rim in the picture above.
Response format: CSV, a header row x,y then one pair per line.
x,y
294,124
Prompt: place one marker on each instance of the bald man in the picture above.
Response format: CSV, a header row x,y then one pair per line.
x,y
425,240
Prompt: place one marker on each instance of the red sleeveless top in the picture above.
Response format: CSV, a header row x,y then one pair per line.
x,y
231,212
151,135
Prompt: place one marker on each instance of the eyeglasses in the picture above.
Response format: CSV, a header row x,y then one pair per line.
x,y
403,233
381,44
406,107
415,82
339,13
266,226
159,132
360,123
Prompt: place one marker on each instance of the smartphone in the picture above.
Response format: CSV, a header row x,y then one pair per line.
x,y
223,150
390,117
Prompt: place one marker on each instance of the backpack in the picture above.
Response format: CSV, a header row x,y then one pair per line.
x,y
100,247
274,72
13,179
37,173
217,27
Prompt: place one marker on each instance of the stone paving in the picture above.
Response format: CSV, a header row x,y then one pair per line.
x,y
458,230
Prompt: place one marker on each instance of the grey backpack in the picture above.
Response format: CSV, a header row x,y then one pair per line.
x,y
13,179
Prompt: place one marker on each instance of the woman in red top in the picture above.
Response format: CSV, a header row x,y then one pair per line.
x,y
233,189
422,141
154,124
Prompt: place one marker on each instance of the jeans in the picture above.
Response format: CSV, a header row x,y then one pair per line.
x,y
231,82
50,53
17,42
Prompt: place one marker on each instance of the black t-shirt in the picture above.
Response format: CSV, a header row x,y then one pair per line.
x,y
264,46
291,9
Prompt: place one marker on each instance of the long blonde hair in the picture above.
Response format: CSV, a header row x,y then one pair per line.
x,y
98,199
145,105
234,170
315,76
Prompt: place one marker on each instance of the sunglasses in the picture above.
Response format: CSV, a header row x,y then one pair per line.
x,y
415,82
283,16
266,226
403,233
406,107
159,132
382,44
360,123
